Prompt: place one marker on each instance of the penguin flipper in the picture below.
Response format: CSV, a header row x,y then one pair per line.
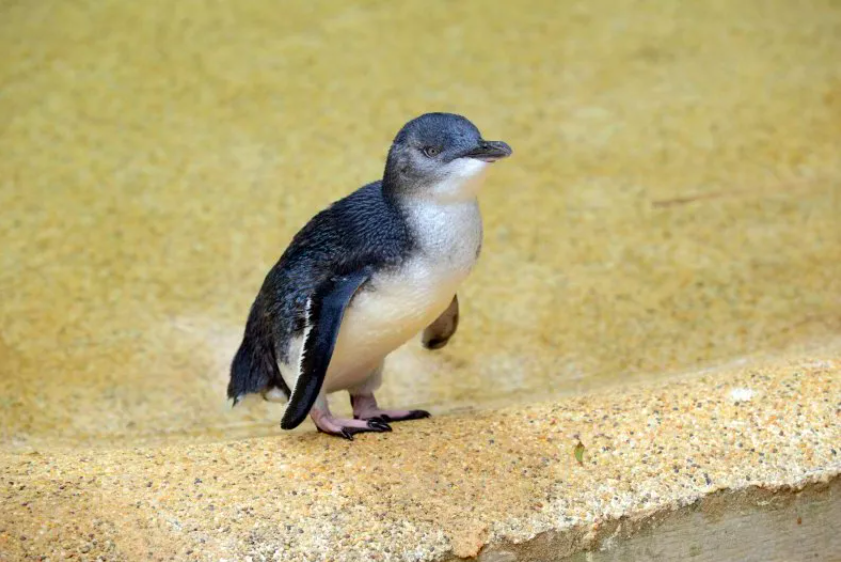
x,y
437,334
325,310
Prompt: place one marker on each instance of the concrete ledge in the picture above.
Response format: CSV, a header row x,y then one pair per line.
x,y
450,487
756,523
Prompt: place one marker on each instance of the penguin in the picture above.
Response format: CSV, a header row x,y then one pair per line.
x,y
366,275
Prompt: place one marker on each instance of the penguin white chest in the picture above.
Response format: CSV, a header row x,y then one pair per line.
x,y
398,304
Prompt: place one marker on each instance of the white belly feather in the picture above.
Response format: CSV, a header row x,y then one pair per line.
x,y
397,305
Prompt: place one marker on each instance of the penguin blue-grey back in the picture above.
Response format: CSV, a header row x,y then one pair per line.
x,y
365,275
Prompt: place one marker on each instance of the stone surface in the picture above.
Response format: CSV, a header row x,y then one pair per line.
x,y
752,525
672,206
438,488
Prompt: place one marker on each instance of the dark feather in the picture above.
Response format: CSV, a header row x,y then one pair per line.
x,y
327,308
364,229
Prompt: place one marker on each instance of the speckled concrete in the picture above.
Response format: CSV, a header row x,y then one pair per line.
x,y
673,205
442,487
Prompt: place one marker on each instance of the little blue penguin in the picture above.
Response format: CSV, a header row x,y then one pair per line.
x,y
367,274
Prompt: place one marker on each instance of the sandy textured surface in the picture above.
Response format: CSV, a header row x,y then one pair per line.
x,y
439,487
673,202
673,205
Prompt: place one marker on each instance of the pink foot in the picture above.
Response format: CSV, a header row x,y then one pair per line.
x,y
365,408
326,423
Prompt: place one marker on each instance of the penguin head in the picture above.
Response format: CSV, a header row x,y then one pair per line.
x,y
439,154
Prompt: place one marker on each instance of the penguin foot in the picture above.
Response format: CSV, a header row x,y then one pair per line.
x,y
326,423
365,408
390,416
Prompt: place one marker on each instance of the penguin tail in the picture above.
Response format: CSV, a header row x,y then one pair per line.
x,y
254,368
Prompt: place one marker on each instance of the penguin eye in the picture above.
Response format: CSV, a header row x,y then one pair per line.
x,y
431,151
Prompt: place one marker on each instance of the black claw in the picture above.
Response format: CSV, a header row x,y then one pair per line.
x,y
374,426
379,424
344,433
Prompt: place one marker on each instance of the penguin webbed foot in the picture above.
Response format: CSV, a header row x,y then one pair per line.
x,y
365,408
391,416
326,423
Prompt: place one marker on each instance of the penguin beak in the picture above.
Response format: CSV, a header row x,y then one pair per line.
x,y
489,151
